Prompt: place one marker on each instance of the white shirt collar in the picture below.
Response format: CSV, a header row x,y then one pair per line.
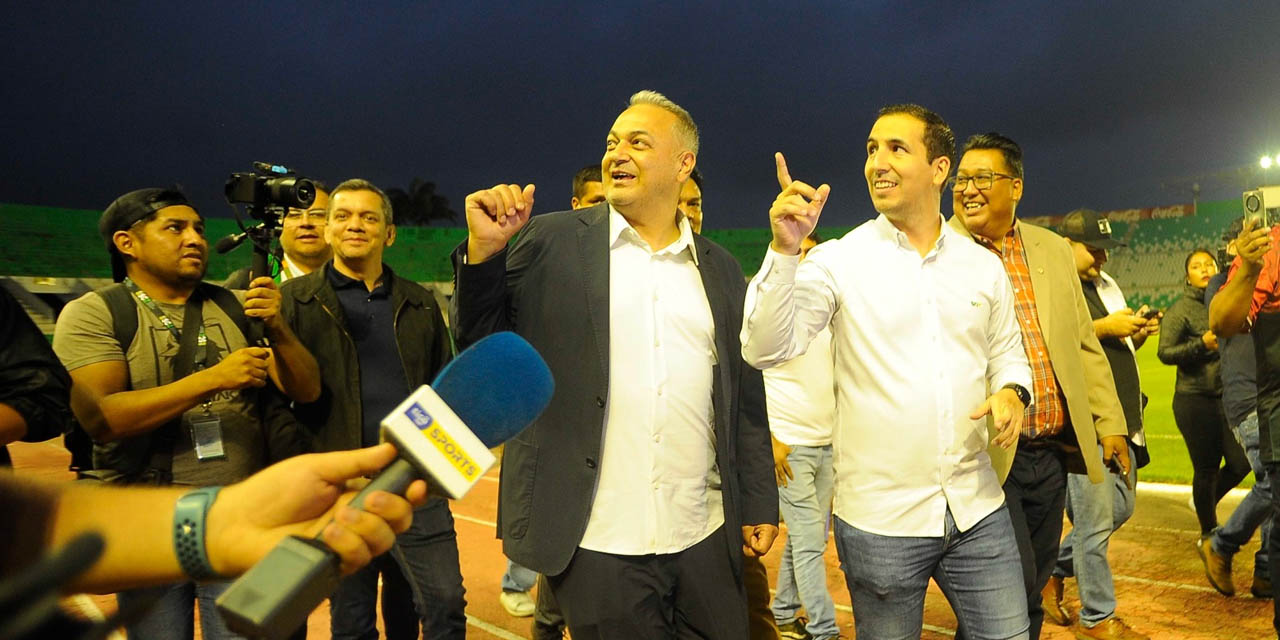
x,y
618,225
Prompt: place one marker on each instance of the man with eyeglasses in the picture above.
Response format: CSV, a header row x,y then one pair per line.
x,y
303,240
1076,413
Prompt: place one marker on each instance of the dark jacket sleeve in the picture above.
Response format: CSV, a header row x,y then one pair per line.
x,y
755,449
32,380
482,302
1179,342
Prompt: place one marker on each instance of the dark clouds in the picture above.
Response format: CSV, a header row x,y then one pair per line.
x,y
1108,102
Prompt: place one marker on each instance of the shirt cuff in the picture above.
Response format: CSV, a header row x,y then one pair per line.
x,y
779,268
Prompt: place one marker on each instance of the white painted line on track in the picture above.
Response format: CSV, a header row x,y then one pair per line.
x,y
1165,583
458,516
493,629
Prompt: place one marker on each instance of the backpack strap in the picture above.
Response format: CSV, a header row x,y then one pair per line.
x,y
124,314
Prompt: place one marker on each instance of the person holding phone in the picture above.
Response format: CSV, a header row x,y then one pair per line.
x,y
1098,510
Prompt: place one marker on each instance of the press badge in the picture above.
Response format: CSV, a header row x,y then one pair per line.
x,y
206,435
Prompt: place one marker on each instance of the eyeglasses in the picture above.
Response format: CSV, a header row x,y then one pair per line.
x,y
981,182
314,216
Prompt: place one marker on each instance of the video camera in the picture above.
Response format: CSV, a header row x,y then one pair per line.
x,y
269,189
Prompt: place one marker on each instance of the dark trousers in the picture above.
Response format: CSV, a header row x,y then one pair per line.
x,y
548,622
690,594
427,554
1036,492
755,580
1273,541
1209,439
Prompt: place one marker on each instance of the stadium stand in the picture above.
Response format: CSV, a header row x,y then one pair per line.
x,y
53,255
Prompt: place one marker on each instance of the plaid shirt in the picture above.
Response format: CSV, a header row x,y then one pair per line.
x,y
1048,415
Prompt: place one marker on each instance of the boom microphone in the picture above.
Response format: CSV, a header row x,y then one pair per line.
x,y
442,432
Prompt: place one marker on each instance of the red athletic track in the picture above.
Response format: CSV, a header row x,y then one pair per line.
x,y
1160,581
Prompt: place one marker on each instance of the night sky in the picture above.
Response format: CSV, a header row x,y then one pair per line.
x,y
1108,103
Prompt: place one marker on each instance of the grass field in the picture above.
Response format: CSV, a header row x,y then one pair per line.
x,y
1169,461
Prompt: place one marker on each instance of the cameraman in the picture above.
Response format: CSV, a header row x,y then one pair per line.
x,y
176,404
303,240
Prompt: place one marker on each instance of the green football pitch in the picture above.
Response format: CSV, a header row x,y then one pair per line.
x,y
1169,461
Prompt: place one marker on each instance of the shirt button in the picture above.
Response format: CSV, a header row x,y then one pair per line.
x,y
657,437
660,390
599,402
591,463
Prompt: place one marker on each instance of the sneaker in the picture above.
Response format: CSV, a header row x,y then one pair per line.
x,y
1109,629
1261,587
795,630
1217,567
517,603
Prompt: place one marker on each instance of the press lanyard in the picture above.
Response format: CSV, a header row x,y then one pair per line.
x,y
202,340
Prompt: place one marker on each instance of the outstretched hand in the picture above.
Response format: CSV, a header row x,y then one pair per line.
x,y
495,215
303,496
795,211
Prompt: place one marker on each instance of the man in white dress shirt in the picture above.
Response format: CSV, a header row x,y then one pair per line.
x,y
925,349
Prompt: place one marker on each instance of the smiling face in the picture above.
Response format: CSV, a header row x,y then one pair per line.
x,y
986,212
302,233
357,228
899,174
644,160
170,247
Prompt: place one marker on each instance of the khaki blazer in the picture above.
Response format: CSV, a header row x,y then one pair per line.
x,y
1083,374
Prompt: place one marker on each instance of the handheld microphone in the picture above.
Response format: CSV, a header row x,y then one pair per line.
x,y
442,432
229,242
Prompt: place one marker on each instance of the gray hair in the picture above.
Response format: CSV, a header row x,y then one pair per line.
x,y
685,126
358,184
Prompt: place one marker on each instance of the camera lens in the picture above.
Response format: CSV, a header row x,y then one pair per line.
x,y
1252,203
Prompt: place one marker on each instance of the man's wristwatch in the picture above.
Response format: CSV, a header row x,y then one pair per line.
x,y
1024,396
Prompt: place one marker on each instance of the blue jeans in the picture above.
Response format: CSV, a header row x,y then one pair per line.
x,y
802,575
979,571
427,554
172,615
1255,510
518,577
1096,511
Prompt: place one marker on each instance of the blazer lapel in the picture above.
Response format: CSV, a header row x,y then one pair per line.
x,y
593,251
1040,287
713,283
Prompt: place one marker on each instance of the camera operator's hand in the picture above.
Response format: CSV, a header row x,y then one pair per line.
x,y
493,217
795,211
1251,245
241,368
262,301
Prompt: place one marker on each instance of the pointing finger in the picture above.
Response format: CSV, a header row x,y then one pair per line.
x,y
784,176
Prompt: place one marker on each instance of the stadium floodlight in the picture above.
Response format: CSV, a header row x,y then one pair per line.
x,y
1265,162
1277,162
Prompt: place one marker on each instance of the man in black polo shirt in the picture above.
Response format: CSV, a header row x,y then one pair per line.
x,y
376,337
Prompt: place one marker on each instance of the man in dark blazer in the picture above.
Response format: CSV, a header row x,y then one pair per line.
x,y
650,474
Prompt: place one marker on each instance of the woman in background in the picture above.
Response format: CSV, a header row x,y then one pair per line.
x,y
1187,342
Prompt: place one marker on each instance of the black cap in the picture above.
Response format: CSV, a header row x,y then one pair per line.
x,y
127,210
1087,226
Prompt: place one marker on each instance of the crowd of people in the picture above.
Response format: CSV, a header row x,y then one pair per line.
x,y
939,418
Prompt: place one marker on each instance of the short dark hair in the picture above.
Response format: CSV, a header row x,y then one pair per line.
x,y
359,184
589,173
696,176
1007,147
938,138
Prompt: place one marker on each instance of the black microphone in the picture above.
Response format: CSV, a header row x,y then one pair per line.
x,y
229,242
